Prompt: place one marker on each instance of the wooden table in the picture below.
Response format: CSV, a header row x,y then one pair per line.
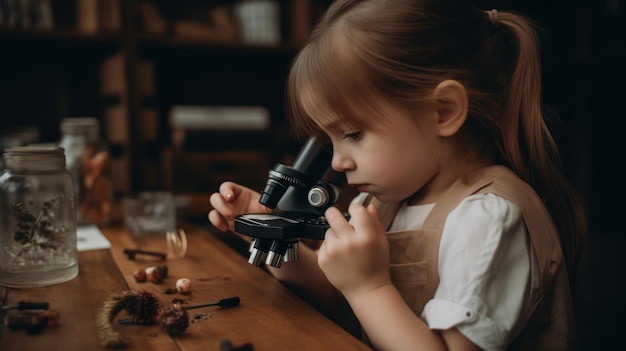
x,y
270,316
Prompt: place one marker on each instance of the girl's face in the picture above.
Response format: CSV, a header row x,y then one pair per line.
x,y
392,160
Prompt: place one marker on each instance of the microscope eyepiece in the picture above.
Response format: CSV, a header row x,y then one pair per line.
x,y
310,166
313,160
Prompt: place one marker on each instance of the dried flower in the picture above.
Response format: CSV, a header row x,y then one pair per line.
x,y
174,320
37,231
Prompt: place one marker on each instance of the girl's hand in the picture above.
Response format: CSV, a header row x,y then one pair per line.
x,y
355,258
232,200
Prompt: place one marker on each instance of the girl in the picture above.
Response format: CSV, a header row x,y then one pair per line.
x,y
465,229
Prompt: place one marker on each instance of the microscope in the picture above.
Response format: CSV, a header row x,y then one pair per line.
x,y
301,197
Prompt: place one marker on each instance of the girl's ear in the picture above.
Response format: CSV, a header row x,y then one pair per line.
x,y
451,105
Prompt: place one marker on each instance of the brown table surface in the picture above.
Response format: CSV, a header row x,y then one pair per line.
x,y
270,316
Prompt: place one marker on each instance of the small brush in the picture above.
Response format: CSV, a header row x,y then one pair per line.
x,y
226,302
27,305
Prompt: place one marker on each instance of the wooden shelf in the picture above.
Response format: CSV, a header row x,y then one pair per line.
x,y
155,41
68,44
50,74
59,35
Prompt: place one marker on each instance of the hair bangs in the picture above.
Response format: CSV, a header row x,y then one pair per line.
x,y
328,82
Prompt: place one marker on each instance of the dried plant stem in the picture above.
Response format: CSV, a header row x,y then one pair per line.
x,y
41,228
109,337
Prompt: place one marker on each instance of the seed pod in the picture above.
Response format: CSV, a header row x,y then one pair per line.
x,y
142,306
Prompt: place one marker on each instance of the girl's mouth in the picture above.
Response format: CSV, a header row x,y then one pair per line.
x,y
361,187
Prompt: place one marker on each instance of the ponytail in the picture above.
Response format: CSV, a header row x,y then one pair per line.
x,y
528,145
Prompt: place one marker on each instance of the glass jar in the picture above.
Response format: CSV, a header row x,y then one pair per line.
x,y
88,161
38,243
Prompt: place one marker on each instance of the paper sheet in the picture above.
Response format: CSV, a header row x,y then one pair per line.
x,y
91,238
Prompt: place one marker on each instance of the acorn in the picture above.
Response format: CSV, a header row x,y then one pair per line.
x,y
149,270
163,269
183,286
140,275
155,274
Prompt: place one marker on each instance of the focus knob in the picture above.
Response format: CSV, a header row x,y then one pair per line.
x,y
323,195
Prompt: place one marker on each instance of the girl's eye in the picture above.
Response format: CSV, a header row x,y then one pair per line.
x,y
353,135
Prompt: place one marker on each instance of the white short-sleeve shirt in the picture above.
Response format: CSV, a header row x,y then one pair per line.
x,y
487,268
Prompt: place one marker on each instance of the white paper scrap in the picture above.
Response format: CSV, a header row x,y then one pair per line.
x,y
91,238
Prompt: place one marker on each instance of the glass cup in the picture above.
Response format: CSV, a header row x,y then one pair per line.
x,y
150,213
151,217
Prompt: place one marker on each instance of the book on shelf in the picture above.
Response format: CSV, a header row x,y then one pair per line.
x,y
258,21
109,15
87,16
29,14
219,117
98,16
301,21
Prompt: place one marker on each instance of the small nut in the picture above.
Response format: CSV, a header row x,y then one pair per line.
x,y
149,270
155,276
164,269
183,286
140,275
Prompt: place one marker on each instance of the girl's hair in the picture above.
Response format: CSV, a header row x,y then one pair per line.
x,y
399,50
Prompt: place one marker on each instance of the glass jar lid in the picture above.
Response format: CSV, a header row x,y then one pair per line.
x,y
35,158
87,126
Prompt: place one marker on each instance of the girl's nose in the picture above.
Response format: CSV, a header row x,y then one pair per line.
x,y
341,163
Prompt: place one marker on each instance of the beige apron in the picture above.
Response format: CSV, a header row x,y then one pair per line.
x,y
414,256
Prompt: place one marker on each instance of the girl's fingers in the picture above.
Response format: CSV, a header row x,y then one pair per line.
x,y
218,221
364,221
227,190
336,220
373,221
219,203
360,217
